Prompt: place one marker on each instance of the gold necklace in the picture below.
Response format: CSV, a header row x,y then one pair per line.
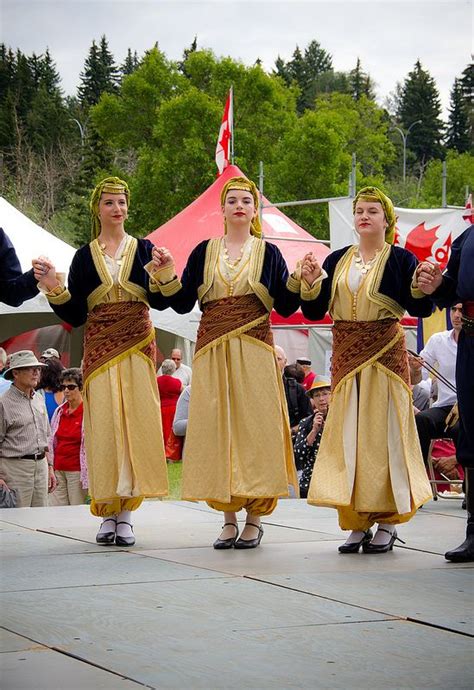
x,y
233,269
365,266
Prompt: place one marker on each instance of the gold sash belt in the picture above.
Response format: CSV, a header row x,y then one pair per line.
x,y
113,331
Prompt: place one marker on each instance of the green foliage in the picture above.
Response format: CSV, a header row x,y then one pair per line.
x,y
118,119
155,122
460,174
314,159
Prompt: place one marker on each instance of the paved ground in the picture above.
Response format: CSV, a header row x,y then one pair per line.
x,y
172,613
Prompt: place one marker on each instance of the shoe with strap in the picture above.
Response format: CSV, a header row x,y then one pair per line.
x,y
124,541
227,543
107,538
250,543
369,547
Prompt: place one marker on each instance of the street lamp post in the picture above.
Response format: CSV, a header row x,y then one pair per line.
x,y
404,136
81,130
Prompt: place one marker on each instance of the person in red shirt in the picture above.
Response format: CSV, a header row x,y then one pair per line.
x,y
170,389
309,376
66,443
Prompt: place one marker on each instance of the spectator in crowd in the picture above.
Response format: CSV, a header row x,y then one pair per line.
x,y
170,389
298,403
49,385
3,361
180,422
439,353
24,431
310,430
15,286
51,353
66,443
309,375
4,384
183,372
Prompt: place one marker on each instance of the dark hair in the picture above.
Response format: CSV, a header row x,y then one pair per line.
x,y
300,373
50,375
294,371
72,374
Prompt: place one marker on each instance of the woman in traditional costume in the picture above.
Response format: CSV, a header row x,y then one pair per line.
x,y
238,452
369,464
110,290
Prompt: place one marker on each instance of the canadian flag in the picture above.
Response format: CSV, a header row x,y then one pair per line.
x,y
469,217
223,148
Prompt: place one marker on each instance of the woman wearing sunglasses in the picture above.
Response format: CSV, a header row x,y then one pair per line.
x,y
66,443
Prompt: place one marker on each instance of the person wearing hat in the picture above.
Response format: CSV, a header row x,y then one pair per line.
x,y
238,453
50,353
308,436
309,375
110,291
24,431
370,465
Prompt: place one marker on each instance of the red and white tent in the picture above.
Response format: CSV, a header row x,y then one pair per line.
x,y
202,219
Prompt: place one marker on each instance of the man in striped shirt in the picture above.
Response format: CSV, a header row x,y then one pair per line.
x,y
24,430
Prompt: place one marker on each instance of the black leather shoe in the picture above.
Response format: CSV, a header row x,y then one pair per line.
x,y
355,546
124,541
382,548
106,538
227,543
250,543
463,553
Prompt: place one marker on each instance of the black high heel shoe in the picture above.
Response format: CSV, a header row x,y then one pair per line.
x,y
355,546
382,548
227,543
107,538
250,543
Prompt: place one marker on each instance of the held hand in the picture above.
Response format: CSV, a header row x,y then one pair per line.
x,y
161,257
310,269
45,272
428,277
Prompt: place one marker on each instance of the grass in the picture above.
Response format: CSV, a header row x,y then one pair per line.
x,y
175,470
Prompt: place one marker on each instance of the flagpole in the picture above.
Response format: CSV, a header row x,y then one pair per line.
x,y
232,125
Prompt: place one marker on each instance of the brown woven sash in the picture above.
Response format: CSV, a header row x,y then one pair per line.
x,y
112,330
231,316
357,344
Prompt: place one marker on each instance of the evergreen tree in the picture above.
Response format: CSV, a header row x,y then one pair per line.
x,y
360,83
457,134
186,53
130,63
420,101
100,74
281,70
316,59
49,76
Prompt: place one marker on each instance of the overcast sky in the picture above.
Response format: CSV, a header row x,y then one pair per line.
x,y
387,35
